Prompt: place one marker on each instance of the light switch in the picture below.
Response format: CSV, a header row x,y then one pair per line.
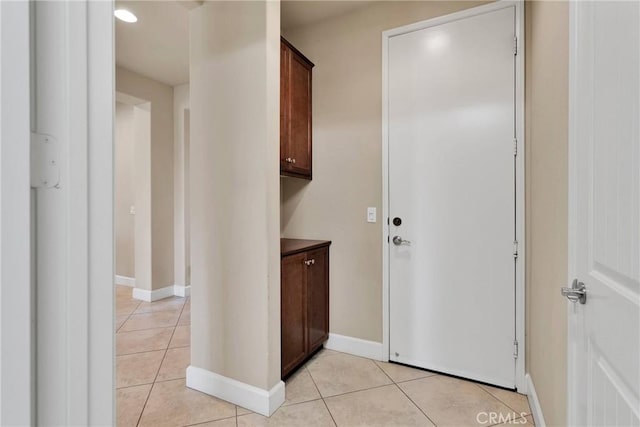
x,y
371,214
132,210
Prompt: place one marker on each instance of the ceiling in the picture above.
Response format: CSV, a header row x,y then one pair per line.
x,y
157,46
294,13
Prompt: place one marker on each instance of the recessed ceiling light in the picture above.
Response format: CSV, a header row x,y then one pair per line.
x,y
125,15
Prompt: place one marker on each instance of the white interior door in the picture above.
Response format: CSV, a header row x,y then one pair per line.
x,y
604,333
451,131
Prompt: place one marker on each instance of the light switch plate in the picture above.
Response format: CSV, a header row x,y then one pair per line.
x,y
371,214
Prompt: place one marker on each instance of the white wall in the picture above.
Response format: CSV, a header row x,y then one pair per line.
x,y
547,27
142,184
159,176
181,130
125,194
235,257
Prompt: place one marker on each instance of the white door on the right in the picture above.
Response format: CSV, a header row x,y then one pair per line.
x,y
604,362
451,115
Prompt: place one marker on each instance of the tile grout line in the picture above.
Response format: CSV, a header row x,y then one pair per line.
x,y
503,402
148,329
160,367
329,411
205,422
138,330
357,391
132,386
417,379
133,313
402,391
144,313
427,372
313,381
145,351
154,327
128,317
353,391
157,311
415,404
167,349
383,371
281,407
321,397
151,389
172,379
180,346
145,404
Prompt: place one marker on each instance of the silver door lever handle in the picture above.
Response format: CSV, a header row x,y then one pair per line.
x,y
577,292
397,240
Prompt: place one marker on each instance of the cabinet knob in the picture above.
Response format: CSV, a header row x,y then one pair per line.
x,y
293,160
309,262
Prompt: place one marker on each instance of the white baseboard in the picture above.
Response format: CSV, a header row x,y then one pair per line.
x,y
182,290
263,402
125,281
534,403
155,295
158,294
355,346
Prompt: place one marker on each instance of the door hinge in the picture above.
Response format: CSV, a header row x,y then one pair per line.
x,y
515,146
515,349
515,45
45,171
515,249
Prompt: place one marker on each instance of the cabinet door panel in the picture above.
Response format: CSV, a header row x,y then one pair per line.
x,y
293,311
318,298
285,105
300,119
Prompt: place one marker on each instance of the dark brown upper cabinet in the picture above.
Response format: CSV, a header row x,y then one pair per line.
x,y
295,112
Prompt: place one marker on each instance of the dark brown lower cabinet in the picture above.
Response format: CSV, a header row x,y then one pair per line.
x,y
304,297
293,306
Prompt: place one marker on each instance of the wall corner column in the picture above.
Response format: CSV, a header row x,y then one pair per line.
x,y
234,192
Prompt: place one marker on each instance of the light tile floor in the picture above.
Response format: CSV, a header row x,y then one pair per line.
x,y
153,352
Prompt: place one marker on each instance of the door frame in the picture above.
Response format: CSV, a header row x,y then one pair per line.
x,y
520,382
75,358
17,374
572,207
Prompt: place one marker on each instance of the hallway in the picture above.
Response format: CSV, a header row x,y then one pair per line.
x,y
152,347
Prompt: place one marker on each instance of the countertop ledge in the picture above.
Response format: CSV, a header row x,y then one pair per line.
x,y
294,246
